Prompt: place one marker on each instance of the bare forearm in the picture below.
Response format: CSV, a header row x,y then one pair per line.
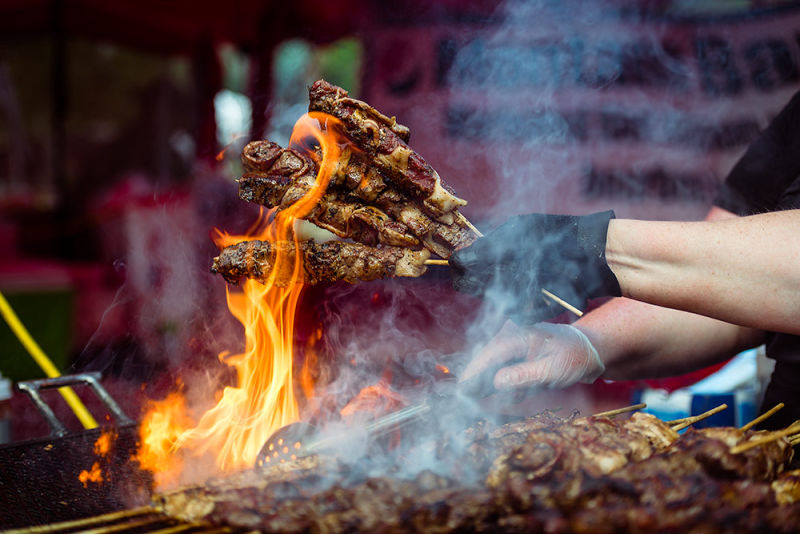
x,y
637,340
742,270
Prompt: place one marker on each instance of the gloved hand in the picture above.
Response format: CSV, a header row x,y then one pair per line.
x,y
564,254
546,355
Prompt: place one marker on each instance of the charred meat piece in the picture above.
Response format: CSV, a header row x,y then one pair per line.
x,y
393,220
711,447
376,135
787,487
347,219
321,262
594,445
264,156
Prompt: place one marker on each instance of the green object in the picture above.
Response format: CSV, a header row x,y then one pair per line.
x,y
48,317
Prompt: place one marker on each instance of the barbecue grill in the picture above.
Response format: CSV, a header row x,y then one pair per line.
x,y
39,478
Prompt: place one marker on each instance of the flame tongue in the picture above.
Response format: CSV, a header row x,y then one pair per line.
x,y
263,400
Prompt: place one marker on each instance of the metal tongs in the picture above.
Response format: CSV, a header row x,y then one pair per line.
x,y
302,439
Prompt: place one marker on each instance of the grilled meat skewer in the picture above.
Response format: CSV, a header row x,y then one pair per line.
x,y
355,207
346,219
322,262
378,137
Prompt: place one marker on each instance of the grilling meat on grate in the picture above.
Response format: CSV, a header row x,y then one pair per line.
x,y
594,445
676,488
384,141
559,468
358,204
322,262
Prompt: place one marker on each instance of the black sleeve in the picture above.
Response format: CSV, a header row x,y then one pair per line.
x,y
768,167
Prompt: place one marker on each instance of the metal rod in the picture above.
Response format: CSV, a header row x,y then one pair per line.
x,y
378,427
32,387
57,428
93,380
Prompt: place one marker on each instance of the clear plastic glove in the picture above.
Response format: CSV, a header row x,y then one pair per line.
x,y
542,355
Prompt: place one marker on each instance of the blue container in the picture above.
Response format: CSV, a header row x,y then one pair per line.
x,y
702,402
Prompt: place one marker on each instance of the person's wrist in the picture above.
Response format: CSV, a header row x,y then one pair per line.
x,y
613,251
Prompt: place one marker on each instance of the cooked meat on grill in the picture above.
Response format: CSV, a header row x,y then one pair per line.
x,y
377,136
322,262
594,445
674,490
787,487
711,447
694,484
346,219
357,204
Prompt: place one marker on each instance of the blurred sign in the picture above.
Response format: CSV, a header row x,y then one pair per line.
x,y
549,107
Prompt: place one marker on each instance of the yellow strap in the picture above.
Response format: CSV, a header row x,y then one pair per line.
x,y
44,362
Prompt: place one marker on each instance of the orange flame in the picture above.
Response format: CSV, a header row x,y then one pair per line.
x,y
94,475
234,430
102,446
164,422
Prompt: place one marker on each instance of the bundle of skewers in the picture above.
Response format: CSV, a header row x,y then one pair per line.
x,y
602,473
391,206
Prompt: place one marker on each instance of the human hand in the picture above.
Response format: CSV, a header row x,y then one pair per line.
x,y
547,355
563,254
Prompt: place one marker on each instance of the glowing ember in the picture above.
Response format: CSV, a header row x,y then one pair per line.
x,y
94,475
263,400
102,446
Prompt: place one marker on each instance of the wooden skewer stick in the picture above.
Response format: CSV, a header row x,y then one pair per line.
x,y
95,520
772,436
609,413
563,303
468,224
124,526
555,298
692,420
203,527
763,416
676,421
